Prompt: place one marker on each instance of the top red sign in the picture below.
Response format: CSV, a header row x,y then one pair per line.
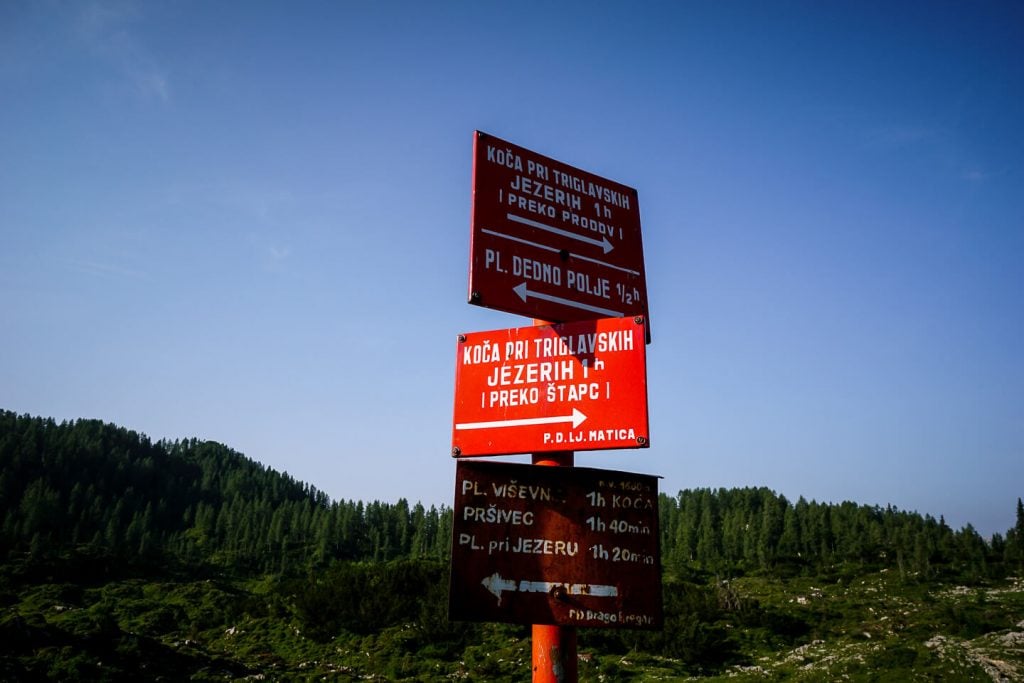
x,y
550,241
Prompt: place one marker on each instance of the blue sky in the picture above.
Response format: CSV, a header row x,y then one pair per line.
x,y
249,222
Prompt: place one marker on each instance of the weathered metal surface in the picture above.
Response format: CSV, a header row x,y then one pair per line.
x,y
550,241
552,545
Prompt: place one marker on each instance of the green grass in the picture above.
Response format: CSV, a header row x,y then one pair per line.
x,y
875,627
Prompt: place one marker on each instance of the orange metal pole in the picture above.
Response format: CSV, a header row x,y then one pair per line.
x,y
554,647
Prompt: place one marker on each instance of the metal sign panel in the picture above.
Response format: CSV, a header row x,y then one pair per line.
x,y
555,545
550,241
572,386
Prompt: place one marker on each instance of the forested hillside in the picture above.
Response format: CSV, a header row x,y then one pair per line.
x,y
185,559
96,487
89,485
741,530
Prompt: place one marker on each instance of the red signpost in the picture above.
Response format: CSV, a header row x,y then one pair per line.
x,y
572,386
551,241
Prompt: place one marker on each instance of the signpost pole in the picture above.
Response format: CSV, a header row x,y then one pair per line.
x,y
570,263
554,647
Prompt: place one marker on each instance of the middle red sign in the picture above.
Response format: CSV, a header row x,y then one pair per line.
x,y
572,386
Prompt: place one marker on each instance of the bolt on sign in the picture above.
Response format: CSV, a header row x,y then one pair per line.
x,y
551,241
570,386
551,545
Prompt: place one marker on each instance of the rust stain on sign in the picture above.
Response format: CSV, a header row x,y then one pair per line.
x,y
563,546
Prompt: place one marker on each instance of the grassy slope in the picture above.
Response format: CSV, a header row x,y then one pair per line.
x,y
876,627
861,628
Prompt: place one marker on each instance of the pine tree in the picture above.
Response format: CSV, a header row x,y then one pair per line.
x,y
1013,548
708,545
1019,526
771,528
789,541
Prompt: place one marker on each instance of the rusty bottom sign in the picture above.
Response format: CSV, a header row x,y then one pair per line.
x,y
555,545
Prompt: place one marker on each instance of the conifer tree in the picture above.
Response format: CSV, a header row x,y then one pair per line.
x,y
1019,526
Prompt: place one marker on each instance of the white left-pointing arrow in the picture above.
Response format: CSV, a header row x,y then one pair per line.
x,y
576,419
498,585
524,293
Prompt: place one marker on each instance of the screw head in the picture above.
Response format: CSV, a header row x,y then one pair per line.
x,y
456,452
639,320
462,338
641,440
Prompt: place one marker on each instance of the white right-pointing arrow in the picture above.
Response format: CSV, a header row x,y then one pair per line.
x,y
524,293
605,245
576,419
545,247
